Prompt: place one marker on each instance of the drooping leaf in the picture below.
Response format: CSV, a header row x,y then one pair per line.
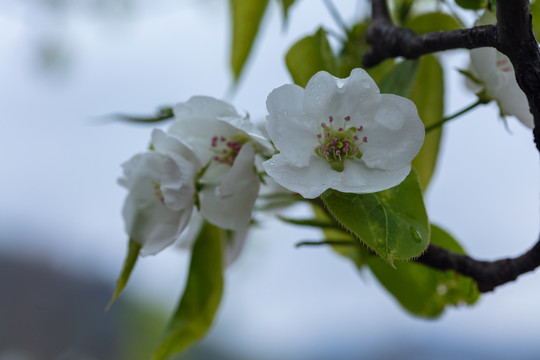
x,y
472,4
393,223
202,295
129,263
424,291
400,79
246,20
428,95
308,56
163,113
432,22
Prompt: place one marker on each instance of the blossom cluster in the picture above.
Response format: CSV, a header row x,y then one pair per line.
x,y
337,134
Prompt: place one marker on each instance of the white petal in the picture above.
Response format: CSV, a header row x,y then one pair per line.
x,y
240,174
287,127
196,123
190,233
395,135
148,221
243,124
229,206
309,181
357,178
235,245
327,96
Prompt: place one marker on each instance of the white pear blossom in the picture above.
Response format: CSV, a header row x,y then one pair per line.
x,y
161,197
226,143
496,76
341,134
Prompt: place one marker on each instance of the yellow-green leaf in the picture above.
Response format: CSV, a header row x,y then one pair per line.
x,y
129,263
393,223
428,95
432,22
246,19
309,56
424,291
198,306
400,79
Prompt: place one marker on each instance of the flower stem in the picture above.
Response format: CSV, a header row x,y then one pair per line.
x,y
335,14
453,116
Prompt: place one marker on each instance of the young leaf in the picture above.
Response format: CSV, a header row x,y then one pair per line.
x,y
202,295
424,291
352,249
472,4
393,223
428,95
131,258
308,56
432,22
163,113
246,18
400,79
285,5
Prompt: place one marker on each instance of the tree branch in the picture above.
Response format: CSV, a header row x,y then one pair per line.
x,y
512,35
487,274
388,40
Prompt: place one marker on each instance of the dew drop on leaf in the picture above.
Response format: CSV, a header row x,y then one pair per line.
x,y
415,235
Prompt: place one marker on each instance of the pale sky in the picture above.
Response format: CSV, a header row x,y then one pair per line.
x,y
60,200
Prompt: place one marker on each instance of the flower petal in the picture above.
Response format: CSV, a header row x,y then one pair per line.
x,y
287,127
309,181
230,205
148,220
396,126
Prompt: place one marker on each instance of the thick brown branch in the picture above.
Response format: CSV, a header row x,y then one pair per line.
x,y
513,36
389,41
517,41
487,274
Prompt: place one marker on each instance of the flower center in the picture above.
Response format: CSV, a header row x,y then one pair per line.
x,y
336,144
158,193
227,148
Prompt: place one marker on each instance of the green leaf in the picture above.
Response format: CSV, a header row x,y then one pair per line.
x,y
535,12
163,113
246,19
129,263
308,56
349,247
402,10
323,224
472,4
428,95
393,223
424,291
285,6
432,22
202,295
400,79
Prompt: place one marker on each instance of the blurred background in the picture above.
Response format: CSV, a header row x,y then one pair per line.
x,y
64,64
